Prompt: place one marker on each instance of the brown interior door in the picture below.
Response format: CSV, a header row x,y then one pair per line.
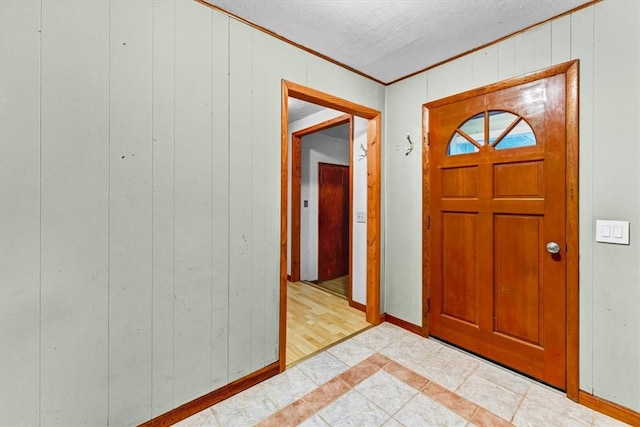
x,y
497,199
333,221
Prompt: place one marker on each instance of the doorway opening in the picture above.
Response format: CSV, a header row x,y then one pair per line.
x,y
321,213
290,181
500,268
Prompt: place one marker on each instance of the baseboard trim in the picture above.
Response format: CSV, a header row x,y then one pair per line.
x,y
203,402
403,324
357,306
611,409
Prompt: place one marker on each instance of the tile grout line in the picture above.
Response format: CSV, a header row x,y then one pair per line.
x,y
524,395
380,363
303,400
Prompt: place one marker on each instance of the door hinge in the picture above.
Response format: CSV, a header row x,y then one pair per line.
x,y
428,222
427,306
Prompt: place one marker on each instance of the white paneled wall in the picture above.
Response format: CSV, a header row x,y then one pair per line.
x,y
139,204
606,39
20,204
74,213
130,208
162,227
616,195
582,45
403,199
193,190
359,200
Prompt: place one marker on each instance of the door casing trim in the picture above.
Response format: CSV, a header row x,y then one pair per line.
x,y
374,132
570,70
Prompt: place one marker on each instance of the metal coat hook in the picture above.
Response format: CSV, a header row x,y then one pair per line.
x,y
409,149
364,152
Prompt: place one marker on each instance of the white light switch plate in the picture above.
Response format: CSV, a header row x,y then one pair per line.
x,y
616,232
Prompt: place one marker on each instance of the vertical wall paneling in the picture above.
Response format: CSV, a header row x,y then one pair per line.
x,y
220,200
273,72
533,49
506,58
616,273
241,242
403,209
19,212
360,242
374,93
130,210
561,40
582,48
293,63
256,133
322,76
139,204
485,66
75,198
193,204
353,88
163,205
450,78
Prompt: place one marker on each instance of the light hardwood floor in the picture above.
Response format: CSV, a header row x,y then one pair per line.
x,y
317,319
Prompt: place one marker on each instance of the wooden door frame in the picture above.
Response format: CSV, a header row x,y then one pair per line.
x,y
570,70
374,131
296,170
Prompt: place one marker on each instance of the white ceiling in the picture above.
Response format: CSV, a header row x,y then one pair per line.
x,y
299,109
339,132
390,39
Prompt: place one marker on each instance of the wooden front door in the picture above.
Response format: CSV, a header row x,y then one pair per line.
x,y
333,221
497,214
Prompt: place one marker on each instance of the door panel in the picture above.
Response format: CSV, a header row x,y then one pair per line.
x,y
524,179
458,266
517,255
333,221
460,182
497,196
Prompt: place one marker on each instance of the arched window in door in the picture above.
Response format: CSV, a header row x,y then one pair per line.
x,y
502,130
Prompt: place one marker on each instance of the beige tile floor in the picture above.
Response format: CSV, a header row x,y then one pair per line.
x,y
386,376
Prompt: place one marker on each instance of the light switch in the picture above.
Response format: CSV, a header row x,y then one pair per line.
x,y
616,232
361,217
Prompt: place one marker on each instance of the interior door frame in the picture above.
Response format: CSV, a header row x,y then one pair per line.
x,y
296,180
374,251
570,70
